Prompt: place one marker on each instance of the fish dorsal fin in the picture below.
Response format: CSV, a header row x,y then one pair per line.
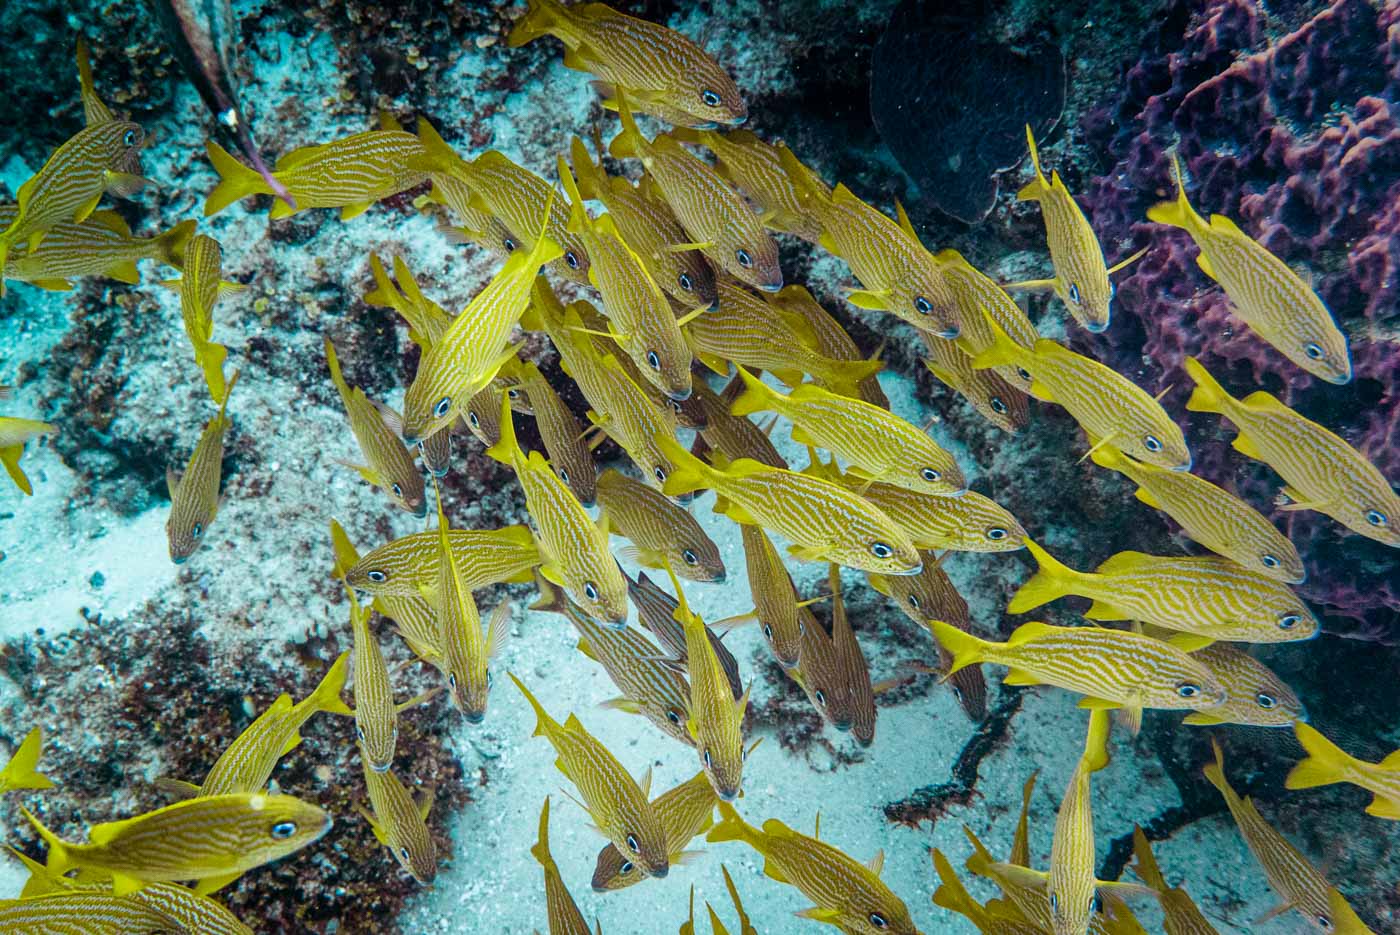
x,y
1260,399
817,828
876,863
903,217
1223,225
1124,563
1391,763
645,784
1030,631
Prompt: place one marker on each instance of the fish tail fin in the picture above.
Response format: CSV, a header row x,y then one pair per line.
x,y
755,397
542,18
1177,213
981,860
592,180
22,772
169,247
1053,581
732,827
333,362
1035,188
544,724
1215,773
236,180
326,697
1095,755
384,294
540,849
951,894
1209,395
506,449
59,859
965,648
1146,867
1325,763
211,357
228,391
441,157
578,215
629,141
688,473
1004,352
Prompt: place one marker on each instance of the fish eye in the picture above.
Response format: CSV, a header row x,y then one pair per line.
x,y
1268,560
489,679
1023,373
1188,689
820,696
957,693
930,475
653,361
998,406
377,576
572,259
685,282
996,533
513,393
710,98
1289,621
590,590
473,421
1054,902
1074,292
1266,701
403,853
626,867
1376,518
878,921
1096,903
922,305
914,601
198,530
452,680
673,717
398,490
509,244
564,475
1312,350
284,830
632,843
1325,922
1151,443
768,632
359,733
707,759
881,550
129,138
442,408
690,558
660,474
743,257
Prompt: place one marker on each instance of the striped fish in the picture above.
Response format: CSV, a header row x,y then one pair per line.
x,y
1289,873
1112,668
569,453
896,273
745,926
1111,409
85,913
194,496
14,435
716,719
995,398
847,894
1322,471
665,73
1327,763
853,665
952,895
22,771
350,173
640,316
389,465
407,565
95,110
775,603
616,803
730,435
213,840
200,287
661,532
746,330
832,672
103,157
564,915
657,612
472,350
477,225
199,915
931,595
1208,596
1180,915
1263,292
753,167
825,522
102,245
1071,887
574,550
400,823
1215,518
881,447
652,684
713,214
830,339
1253,693
978,297
649,226
376,715
685,811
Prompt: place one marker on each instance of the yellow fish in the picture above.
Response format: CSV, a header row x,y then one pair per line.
x,y
730,435
952,895
661,532
564,915
102,245
88,913
996,399
194,496
1254,694
978,298
407,565
668,75
1112,668
1289,873
574,549
1210,597
847,894
14,435
825,522
657,612
22,772
1264,293
213,840
1071,887
716,719
1216,519
615,802
896,273
400,823
881,447
389,467
376,715
775,603
1323,472
685,810
1181,917
478,225
200,287
715,216
1327,763
830,339
473,349
1110,408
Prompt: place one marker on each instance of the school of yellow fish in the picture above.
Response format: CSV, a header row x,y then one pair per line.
x,y
686,267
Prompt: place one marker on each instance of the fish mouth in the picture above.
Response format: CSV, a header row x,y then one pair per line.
x,y
864,742
788,663
179,559
910,572
422,509
1096,327
773,286
949,333
842,726
439,474
727,795
718,578
660,874
678,395
381,767
1184,466
474,717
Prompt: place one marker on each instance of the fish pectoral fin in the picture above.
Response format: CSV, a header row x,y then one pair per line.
x,y
1146,497
622,704
1201,719
1190,642
176,788
379,834
125,884
864,298
369,474
808,553
1032,285
876,863
121,184
418,699
353,211
210,885
1098,704
172,481
1289,499
424,801
292,743
1244,446
716,363
687,247
645,784
647,558
124,272
1275,912
818,914
550,572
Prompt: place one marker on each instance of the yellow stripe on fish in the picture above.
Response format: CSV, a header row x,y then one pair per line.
x,y
994,398
730,435
830,339
84,913
559,429
102,245
847,894
1112,668
400,823
574,549
563,913
376,715
194,496
1215,518
1181,917
1289,873
389,467
200,287
485,557
979,297
1254,695
775,603
833,673
1210,597
685,811
213,840
1070,887
22,771
1323,472
1264,293
614,800
660,531
1327,763
664,72
712,213
657,612
952,895
1110,408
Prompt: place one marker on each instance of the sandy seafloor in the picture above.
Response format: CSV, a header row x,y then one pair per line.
x,y
95,548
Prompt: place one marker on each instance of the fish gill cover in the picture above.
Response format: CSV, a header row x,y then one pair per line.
x,y
127,678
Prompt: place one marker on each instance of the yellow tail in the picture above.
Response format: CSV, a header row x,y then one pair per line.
x,y
1215,773
1004,352
545,726
1209,395
965,648
507,450
169,247
629,141
59,859
688,473
346,555
732,827
542,18
1147,867
385,293
592,180
1325,764
235,180
1032,190
22,772
1178,213
210,357
1054,580
951,894
579,220
757,396
327,694
540,849
334,363
1095,755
